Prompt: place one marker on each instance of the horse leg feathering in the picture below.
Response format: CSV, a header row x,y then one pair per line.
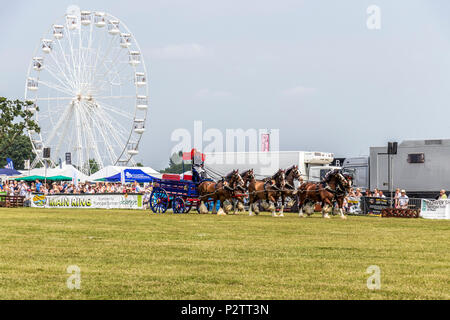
x,y
250,213
281,214
300,212
203,209
256,208
325,209
341,214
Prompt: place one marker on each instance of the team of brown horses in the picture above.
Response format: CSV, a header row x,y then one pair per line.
x,y
234,187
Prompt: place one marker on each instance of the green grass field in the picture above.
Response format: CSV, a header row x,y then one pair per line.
x,y
140,255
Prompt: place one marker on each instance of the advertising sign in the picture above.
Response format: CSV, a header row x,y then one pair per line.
x,y
375,205
435,209
88,201
354,205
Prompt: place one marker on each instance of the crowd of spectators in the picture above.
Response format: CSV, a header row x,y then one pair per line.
x,y
401,200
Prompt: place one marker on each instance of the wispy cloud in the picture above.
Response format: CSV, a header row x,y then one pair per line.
x,y
208,94
181,51
299,91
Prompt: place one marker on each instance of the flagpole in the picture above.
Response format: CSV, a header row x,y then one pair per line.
x,y
45,180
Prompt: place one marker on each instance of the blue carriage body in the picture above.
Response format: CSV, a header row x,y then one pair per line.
x,y
183,188
182,194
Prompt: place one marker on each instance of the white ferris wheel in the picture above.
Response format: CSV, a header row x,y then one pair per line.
x,y
88,84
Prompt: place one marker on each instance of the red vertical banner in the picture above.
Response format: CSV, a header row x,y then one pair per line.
x,y
265,142
187,156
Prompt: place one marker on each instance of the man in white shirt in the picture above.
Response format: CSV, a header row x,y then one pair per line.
x,y
403,200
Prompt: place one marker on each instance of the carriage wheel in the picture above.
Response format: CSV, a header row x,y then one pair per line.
x,y
188,207
159,200
178,205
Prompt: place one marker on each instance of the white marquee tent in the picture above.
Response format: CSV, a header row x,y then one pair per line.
x,y
66,170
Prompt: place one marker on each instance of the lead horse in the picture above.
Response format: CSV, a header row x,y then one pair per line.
x,y
333,188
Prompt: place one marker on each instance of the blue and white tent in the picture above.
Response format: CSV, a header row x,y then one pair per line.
x,y
9,172
131,175
112,171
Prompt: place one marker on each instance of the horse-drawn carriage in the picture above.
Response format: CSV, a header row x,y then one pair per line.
x,y
183,195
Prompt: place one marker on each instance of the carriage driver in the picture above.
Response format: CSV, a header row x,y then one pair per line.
x,y
198,171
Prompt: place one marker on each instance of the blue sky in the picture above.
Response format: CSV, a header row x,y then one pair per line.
x,y
310,68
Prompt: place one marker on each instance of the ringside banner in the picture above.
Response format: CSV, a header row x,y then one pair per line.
x,y
83,201
435,209
354,205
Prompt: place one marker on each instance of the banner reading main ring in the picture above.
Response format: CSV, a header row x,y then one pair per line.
x,y
86,201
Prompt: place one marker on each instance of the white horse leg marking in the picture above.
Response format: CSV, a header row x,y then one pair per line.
x,y
300,212
324,212
341,213
272,209
309,208
203,208
281,211
256,208
221,212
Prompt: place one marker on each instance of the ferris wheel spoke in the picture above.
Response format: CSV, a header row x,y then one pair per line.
x,y
90,136
55,87
116,125
108,50
54,99
97,63
115,97
67,124
120,141
72,55
113,62
102,130
78,143
115,110
86,142
69,82
68,57
104,85
90,37
67,65
58,125
62,136
64,84
110,70
111,80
